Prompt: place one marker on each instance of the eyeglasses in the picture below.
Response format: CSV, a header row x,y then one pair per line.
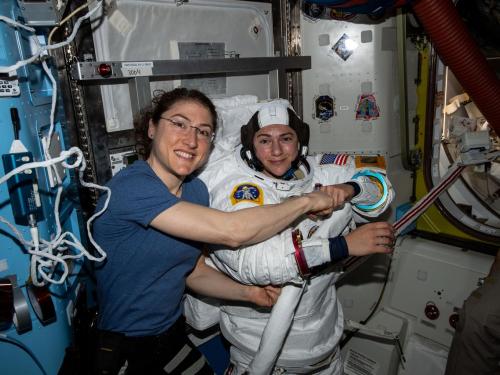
x,y
204,134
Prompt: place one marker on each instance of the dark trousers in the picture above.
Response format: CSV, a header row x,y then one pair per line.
x,y
476,344
168,353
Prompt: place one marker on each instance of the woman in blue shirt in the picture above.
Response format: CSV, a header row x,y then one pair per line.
x,y
152,232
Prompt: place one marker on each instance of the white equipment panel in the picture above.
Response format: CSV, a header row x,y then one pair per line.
x,y
366,354
218,26
431,281
356,65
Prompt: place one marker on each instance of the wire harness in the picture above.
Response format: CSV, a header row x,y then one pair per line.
x,y
47,255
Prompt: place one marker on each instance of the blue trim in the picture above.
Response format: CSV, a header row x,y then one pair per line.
x,y
381,179
216,351
355,186
338,248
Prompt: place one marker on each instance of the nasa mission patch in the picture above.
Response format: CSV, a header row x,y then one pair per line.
x,y
247,192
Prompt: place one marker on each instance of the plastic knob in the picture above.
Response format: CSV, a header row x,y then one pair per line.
x,y
453,320
431,311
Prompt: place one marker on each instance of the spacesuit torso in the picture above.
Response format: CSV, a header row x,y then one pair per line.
x,y
318,320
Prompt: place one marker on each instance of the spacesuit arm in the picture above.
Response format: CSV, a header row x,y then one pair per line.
x,y
268,262
209,282
312,254
375,192
199,223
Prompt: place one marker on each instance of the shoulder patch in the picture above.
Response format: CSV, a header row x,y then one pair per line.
x,y
247,192
338,159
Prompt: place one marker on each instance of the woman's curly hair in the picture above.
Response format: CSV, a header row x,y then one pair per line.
x,y
163,101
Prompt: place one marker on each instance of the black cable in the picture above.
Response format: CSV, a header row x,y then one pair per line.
x,y
351,334
16,124
19,344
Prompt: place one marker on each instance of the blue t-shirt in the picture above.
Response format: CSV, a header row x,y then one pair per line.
x,y
141,283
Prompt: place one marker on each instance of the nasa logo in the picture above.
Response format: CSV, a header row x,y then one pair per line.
x,y
247,192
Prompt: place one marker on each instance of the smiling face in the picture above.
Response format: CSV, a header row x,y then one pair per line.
x,y
276,147
176,152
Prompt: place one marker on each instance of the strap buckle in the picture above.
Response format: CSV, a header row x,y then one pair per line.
x,y
299,254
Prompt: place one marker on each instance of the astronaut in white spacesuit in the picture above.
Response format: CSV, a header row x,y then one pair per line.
x,y
269,166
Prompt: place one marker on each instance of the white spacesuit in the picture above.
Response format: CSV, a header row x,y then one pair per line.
x,y
316,325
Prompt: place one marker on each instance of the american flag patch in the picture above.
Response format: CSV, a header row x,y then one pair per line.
x,y
338,159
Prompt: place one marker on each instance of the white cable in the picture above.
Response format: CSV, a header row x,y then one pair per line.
x,y
53,105
42,252
42,49
65,19
45,255
13,23
46,148
18,234
73,151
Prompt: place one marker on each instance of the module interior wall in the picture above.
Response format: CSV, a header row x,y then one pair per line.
x,y
222,21
372,64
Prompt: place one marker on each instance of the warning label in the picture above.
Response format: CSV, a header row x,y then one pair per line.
x,y
357,363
